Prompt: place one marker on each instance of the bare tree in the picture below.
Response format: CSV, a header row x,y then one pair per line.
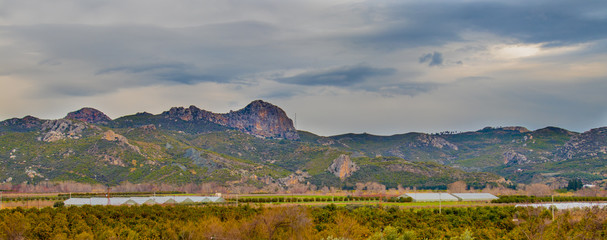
x,y
538,189
457,187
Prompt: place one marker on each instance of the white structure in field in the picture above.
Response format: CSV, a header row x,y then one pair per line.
x,y
449,197
431,197
117,201
565,205
474,196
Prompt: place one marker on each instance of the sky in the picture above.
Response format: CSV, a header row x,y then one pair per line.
x,y
344,66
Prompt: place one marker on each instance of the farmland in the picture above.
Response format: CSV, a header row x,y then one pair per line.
x,y
298,222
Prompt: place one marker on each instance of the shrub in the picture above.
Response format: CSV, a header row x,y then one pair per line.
x,y
58,204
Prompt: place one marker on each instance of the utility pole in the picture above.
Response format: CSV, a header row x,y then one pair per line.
x,y
440,203
108,195
553,207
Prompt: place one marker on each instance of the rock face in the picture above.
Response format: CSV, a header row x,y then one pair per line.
x,y
434,141
586,145
54,130
511,157
343,167
111,136
22,124
517,129
294,178
89,115
262,119
259,118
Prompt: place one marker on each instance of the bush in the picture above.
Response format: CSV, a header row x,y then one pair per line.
x,y
58,204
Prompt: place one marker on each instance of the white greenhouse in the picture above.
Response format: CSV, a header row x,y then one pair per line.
x,y
431,197
116,201
474,196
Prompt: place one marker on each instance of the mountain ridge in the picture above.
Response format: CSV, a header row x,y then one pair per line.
x,y
258,145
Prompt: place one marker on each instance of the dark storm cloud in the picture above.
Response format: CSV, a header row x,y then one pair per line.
x,y
342,77
433,59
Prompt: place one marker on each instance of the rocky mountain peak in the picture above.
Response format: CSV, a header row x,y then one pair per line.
x,y
258,118
89,115
262,119
28,122
186,114
259,104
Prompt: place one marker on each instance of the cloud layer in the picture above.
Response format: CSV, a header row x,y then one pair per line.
x,y
382,67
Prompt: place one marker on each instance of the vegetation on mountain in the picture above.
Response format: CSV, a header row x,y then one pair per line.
x,y
258,146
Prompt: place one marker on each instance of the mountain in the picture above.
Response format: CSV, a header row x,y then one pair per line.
x,y
258,146
259,118
545,155
89,115
27,123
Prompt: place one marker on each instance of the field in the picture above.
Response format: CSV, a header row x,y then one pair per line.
x,y
292,216
299,222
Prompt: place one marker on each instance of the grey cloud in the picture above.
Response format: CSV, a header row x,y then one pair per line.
x,y
144,68
555,22
343,76
423,23
167,72
433,59
404,88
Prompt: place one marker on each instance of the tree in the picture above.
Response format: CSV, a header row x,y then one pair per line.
x,y
538,189
457,187
14,226
574,184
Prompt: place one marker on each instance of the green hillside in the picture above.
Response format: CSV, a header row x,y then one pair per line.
x,y
190,145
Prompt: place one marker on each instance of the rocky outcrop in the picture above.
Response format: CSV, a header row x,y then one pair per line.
x,y
586,145
112,160
511,158
516,129
259,118
191,113
26,123
111,136
54,130
89,115
435,141
294,178
148,128
343,167
262,119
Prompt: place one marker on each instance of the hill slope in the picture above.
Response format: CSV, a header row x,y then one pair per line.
x,y
256,146
259,146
